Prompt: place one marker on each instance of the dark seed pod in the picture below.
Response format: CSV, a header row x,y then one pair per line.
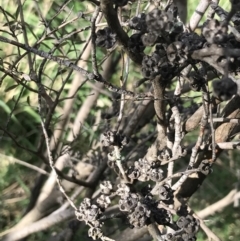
x,y
123,190
149,39
196,81
236,19
128,202
161,216
166,71
170,237
175,52
106,187
182,222
138,22
93,212
159,21
135,43
214,32
224,89
133,173
103,202
120,3
191,41
156,64
139,216
156,174
165,192
173,10
182,211
95,233
105,38
165,154
192,226
112,138
205,167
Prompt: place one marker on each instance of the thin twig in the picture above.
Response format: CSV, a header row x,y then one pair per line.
x,y
93,34
30,62
202,128
113,22
118,156
229,145
50,158
178,174
23,163
123,82
70,65
211,11
198,14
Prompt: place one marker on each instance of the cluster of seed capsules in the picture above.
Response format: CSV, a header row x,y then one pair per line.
x,y
140,209
90,213
173,45
160,28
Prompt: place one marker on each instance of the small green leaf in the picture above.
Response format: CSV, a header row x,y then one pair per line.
x,y
28,101
10,23
11,88
17,12
6,13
